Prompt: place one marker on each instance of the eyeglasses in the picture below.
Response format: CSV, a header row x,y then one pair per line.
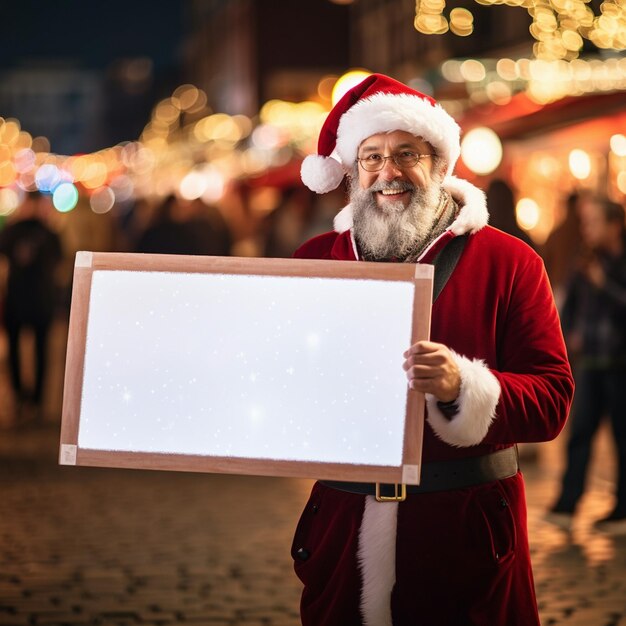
x,y
404,160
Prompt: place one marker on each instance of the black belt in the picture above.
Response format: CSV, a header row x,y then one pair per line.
x,y
446,475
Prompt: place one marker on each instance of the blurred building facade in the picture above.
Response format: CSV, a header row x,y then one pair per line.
x,y
245,52
55,99
255,84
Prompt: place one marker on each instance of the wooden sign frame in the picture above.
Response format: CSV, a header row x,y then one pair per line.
x,y
87,263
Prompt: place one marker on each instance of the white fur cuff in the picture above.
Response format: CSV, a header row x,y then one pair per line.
x,y
480,392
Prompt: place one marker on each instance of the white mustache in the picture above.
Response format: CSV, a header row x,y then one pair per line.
x,y
394,185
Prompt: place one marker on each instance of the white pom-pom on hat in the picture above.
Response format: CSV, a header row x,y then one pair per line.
x,y
321,174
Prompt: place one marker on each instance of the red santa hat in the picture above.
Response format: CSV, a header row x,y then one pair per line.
x,y
378,104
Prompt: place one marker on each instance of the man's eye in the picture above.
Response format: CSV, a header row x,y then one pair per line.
x,y
408,154
374,158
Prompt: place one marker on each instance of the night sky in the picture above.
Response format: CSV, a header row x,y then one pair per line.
x,y
98,37
91,31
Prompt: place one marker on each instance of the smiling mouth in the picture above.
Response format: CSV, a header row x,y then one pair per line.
x,y
391,193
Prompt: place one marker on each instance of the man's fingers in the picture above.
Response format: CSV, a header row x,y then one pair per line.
x,y
431,359
421,371
425,385
422,347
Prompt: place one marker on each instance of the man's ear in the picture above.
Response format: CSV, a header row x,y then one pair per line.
x,y
440,167
353,173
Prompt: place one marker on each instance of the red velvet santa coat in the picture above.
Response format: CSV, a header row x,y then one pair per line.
x,y
456,557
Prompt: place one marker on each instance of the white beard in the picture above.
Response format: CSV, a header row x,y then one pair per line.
x,y
391,229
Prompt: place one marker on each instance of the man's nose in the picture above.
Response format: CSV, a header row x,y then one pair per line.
x,y
390,170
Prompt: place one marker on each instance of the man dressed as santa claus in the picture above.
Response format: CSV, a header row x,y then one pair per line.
x,y
495,373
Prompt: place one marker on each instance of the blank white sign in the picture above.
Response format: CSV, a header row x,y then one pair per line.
x,y
275,367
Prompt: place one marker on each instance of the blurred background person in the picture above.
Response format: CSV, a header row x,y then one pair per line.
x,y
180,226
32,252
169,231
594,323
283,227
209,228
501,205
563,247
324,209
299,215
82,229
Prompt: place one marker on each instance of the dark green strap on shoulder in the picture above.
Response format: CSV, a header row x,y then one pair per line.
x,y
445,262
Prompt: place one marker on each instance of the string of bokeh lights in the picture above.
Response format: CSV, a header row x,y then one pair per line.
x,y
187,149
559,27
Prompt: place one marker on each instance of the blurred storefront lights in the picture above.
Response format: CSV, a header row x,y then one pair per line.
x,y
481,150
542,80
579,164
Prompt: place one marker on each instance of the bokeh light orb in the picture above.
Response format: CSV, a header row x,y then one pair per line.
x,y
102,200
527,213
618,144
579,164
214,185
7,174
122,187
47,178
481,150
193,185
24,160
9,201
346,82
65,197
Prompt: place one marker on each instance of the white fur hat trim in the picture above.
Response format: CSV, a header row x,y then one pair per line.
x,y
383,113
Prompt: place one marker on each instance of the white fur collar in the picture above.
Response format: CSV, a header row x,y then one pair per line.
x,y
472,217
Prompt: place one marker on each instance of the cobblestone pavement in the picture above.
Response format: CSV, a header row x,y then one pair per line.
x,y
110,547
102,546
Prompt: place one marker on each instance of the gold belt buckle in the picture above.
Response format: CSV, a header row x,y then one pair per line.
x,y
397,497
